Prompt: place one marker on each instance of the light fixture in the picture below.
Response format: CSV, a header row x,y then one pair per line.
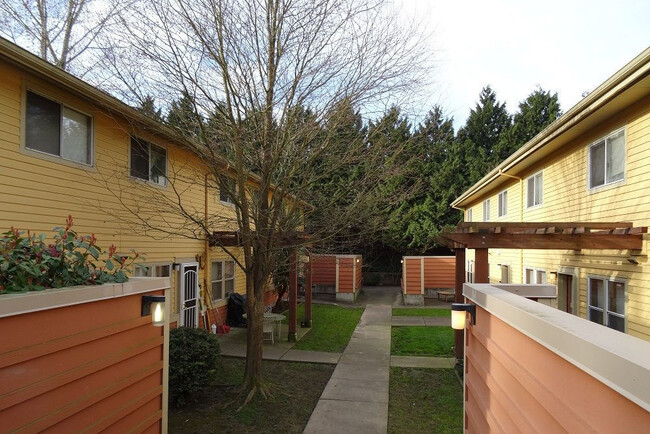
x,y
632,260
401,261
154,305
458,317
358,260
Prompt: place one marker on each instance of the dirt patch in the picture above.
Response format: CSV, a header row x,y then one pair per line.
x,y
296,388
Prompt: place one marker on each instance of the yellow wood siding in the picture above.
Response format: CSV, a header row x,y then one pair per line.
x,y
37,192
566,197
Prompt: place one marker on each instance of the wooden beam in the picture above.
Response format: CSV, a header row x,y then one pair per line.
x,y
459,345
308,294
293,295
535,225
552,241
482,267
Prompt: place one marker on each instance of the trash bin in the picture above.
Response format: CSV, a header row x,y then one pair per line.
x,y
235,310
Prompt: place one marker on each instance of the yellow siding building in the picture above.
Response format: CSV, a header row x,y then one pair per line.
x,y
590,165
68,148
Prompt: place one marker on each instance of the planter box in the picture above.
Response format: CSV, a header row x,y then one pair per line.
x,y
83,358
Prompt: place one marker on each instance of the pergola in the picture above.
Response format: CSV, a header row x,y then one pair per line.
x,y
482,236
290,240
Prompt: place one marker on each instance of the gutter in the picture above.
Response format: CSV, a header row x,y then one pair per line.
x,y
636,69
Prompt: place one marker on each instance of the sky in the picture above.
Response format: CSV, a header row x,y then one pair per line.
x,y
567,47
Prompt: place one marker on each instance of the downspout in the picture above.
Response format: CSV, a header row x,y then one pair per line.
x,y
207,292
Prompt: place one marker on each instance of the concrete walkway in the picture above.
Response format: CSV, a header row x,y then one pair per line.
x,y
233,344
356,398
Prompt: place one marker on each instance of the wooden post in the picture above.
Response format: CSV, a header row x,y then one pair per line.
x,y
458,298
307,321
293,294
482,271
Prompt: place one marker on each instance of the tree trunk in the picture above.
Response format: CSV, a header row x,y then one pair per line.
x,y
255,313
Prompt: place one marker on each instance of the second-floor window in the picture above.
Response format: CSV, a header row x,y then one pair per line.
x,y
607,160
469,215
148,161
534,276
470,272
503,203
55,129
535,190
226,190
486,210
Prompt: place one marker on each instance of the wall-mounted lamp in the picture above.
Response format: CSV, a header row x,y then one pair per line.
x,y
176,266
358,260
401,261
201,260
458,317
154,305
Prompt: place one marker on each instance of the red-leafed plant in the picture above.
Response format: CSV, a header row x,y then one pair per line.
x,y
29,263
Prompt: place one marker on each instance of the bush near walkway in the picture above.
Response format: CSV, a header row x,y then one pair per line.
x,y
422,341
425,400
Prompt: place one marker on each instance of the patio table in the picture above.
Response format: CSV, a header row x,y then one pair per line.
x,y
276,318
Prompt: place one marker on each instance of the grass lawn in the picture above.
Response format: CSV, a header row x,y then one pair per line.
x,y
422,341
296,388
400,311
332,327
425,400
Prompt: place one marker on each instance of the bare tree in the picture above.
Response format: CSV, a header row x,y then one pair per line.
x,y
59,31
272,80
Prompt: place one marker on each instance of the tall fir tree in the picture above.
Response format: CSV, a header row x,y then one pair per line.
x,y
485,127
184,117
148,108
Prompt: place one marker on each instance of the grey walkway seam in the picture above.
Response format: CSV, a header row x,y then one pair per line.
x,y
356,397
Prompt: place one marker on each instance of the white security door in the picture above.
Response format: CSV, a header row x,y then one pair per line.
x,y
189,290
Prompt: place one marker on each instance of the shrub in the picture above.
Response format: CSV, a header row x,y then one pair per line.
x,y
193,358
28,263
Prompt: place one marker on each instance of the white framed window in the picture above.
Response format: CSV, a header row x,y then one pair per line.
x,y
470,272
222,279
534,275
606,302
486,210
505,273
535,189
148,161
503,203
153,270
56,129
226,189
606,160
469,215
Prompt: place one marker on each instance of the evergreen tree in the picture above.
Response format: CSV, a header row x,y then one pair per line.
x,y
537,111
485,127
148,108
184,117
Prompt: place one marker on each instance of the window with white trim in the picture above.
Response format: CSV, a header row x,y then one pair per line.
x,y
148,161
470,272
222,279
535,190
534,276
486,210
469,215
503,203
227,190
607,160
153,270
56,129
606,302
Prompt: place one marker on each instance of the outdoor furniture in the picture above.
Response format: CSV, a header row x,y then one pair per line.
x,y
446,295
272,322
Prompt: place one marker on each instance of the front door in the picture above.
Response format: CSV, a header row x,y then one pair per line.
x,y
189,290
565,293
